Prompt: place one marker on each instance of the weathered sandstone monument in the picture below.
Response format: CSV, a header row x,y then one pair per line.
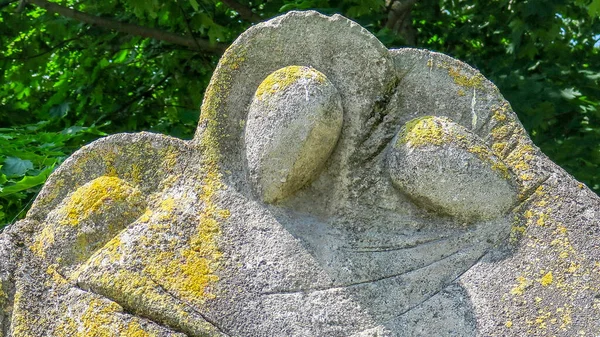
x,y
334,188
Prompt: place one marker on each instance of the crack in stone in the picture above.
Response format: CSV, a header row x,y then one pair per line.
x,y
355,284
208,320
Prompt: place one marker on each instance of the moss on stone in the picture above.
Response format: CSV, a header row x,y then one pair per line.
x,y
285,77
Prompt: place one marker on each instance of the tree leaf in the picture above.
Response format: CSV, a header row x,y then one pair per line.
x,y
16,167
59,111
594,8
27,182
570,93
194,5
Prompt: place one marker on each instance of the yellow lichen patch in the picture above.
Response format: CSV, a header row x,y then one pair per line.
x,y
508,324
522,284
22,319
516,232
101,318
499,113
105,205
430,130
146,216
185,273
43,240
283,78
520,158
134,329
136,173
562,274
430,63
90,198
499,148
55,276
475,81
3,297
423,131
542,218
486,155
501,132
547,279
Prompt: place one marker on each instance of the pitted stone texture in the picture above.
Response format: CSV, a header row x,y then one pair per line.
x,y
347,254
293,124
450,170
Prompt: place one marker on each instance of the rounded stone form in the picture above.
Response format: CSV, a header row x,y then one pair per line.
x,y
293,124
447,168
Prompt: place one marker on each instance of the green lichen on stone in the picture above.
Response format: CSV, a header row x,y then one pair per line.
x,y
283,78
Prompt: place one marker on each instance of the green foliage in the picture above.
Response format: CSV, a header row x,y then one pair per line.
x,y
29,153
64,83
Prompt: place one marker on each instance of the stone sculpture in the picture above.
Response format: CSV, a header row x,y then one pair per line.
x,y
334,188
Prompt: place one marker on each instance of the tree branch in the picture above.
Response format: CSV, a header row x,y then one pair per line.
x,y
129,28
399,19
49,50
244,12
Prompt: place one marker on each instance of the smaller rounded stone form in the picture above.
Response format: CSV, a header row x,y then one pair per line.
x,y
293,125
445,167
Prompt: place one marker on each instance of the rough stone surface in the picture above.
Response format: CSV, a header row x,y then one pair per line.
x,y
147,235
